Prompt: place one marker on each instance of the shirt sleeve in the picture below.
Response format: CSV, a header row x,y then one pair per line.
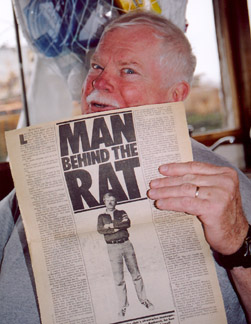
x,y
100,227
123,222
8,212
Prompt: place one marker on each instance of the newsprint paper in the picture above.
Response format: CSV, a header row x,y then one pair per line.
x,y
138,265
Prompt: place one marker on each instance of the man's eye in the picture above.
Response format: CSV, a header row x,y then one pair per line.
x,y
128,71
96,67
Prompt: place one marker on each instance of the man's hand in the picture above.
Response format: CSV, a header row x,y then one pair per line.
x,y
107,226
111,226
217,205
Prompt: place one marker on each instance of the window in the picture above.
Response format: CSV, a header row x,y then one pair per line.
x,y
10,86
205,107
234,48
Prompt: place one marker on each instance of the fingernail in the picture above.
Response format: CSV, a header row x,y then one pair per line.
x,y
159,204
151,193
163,168
154,183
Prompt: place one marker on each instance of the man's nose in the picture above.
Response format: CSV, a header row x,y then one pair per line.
x,y
103,82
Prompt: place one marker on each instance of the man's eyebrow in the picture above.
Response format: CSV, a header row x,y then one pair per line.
x,y
123,63
94,57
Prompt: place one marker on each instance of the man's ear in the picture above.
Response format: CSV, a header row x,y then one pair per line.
x,y
179,91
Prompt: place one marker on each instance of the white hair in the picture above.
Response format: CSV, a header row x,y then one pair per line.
x,y
177,54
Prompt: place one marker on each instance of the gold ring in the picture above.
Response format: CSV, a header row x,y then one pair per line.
x,y
197,192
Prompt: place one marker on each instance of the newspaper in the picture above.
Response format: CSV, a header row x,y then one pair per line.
x,y
62,171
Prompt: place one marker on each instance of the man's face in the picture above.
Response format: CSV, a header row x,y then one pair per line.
x,y
110,202
125,71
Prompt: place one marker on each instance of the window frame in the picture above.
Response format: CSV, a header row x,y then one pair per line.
x,y
234,46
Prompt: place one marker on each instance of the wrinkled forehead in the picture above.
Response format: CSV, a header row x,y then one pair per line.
x,y
129,44
133,35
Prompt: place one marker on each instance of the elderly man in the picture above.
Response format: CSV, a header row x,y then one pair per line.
x,y
144,59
